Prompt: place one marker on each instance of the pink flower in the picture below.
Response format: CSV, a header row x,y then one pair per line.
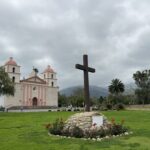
x,y
94,124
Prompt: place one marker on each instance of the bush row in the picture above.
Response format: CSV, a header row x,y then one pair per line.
x,y
103,107
106,107
2,108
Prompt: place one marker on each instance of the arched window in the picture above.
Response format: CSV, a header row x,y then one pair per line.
x,y
52,84
44,76
13,79
52,76
13,69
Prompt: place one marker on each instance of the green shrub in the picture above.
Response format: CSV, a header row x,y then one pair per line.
x,y
76,109
66,132
101,133
117,129
91,134
2,108
57,127
77,132
109,106
95,109
103,108
95,133
119,106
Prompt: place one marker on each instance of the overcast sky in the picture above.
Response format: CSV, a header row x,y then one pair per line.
x,y
114,33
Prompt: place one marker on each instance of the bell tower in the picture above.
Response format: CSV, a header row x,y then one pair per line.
x,y
50,76
13,70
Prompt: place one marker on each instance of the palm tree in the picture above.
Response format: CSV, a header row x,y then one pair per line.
x,y
116,87
142,80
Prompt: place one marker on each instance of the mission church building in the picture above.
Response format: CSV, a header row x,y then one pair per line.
x,y
32,92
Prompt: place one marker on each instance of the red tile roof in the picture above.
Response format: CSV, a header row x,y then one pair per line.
x,y
48,69
11,62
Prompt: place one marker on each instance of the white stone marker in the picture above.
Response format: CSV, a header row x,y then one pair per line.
x,y
98,120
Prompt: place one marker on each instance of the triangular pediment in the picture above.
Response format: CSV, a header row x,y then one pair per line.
x,y
34,79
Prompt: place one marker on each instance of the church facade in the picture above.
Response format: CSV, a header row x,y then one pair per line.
x,y
33,92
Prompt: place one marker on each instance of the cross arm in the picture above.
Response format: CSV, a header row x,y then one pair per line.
x,y
91,69
81,67
78,66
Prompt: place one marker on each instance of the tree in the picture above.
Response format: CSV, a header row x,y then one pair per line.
x,y
99,101
115,88
142,80
62,100
6,84
77,98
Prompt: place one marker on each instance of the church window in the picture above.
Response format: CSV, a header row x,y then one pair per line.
x,y
34,88
52,84
52,76
13,69
13,79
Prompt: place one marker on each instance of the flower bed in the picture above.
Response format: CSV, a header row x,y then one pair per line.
x,y
95,132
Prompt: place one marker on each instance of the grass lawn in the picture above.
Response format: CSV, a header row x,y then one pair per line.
x,y
25,131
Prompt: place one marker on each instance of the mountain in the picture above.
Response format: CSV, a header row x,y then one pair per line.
x,y
130,88
95,91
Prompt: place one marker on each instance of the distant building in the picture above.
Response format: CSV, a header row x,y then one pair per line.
x,y
33,91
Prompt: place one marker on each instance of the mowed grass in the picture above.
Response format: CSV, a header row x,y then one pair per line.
x,y
26,131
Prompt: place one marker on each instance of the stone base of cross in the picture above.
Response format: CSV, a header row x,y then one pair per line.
x,y
86,69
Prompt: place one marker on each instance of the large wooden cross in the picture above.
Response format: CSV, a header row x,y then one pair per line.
x,y
86,69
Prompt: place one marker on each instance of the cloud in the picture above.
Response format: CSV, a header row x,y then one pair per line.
x,y
115,34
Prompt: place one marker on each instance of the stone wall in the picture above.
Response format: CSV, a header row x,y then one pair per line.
x,y
83,120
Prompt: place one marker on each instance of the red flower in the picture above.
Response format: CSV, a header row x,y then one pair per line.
x,y
112,120
122,121
94,124
47,126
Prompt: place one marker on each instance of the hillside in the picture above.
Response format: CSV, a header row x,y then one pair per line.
x,y
130,88
95,91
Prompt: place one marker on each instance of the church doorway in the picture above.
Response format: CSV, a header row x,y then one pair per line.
x,y
34,101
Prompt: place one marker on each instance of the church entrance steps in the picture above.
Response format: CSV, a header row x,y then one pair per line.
x,y
31,108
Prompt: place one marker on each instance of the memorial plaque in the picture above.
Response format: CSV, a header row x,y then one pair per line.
x,y
98,120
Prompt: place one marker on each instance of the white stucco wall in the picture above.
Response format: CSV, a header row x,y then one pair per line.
x,y
9,68
16,74
42,92
1,101
17,77
49,78
14,100
25,92
52,96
